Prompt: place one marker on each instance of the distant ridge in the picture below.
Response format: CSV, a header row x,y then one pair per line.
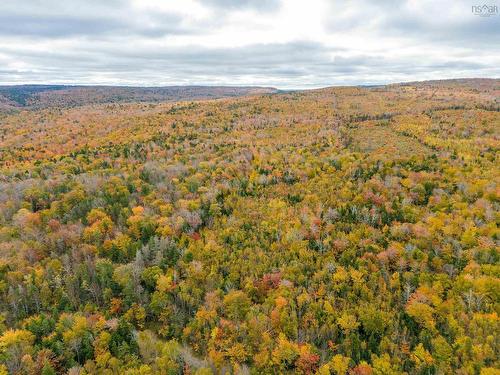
x,y
42,96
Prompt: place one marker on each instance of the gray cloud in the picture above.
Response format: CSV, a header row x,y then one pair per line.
x,y
464,30
292,64
62,19
66,26
446,23
113,42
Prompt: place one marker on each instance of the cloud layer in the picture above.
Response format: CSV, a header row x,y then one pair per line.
x,y
287,44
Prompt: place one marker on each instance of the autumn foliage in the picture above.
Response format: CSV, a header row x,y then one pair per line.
x,y
336,231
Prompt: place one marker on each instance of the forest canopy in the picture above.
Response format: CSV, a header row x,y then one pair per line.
x,y
347,230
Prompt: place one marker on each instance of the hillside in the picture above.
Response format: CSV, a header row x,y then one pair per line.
x,y
43,96
331,231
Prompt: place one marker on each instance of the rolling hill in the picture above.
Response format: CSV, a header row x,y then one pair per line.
x,y
43,96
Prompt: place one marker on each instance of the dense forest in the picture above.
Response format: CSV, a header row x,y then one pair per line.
x,y
346,230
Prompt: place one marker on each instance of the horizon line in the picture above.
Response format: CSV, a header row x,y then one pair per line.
x,y
312,87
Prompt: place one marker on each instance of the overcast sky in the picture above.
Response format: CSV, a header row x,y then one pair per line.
x,y
286,44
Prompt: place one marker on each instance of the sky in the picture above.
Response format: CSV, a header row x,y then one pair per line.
x,y
285,44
